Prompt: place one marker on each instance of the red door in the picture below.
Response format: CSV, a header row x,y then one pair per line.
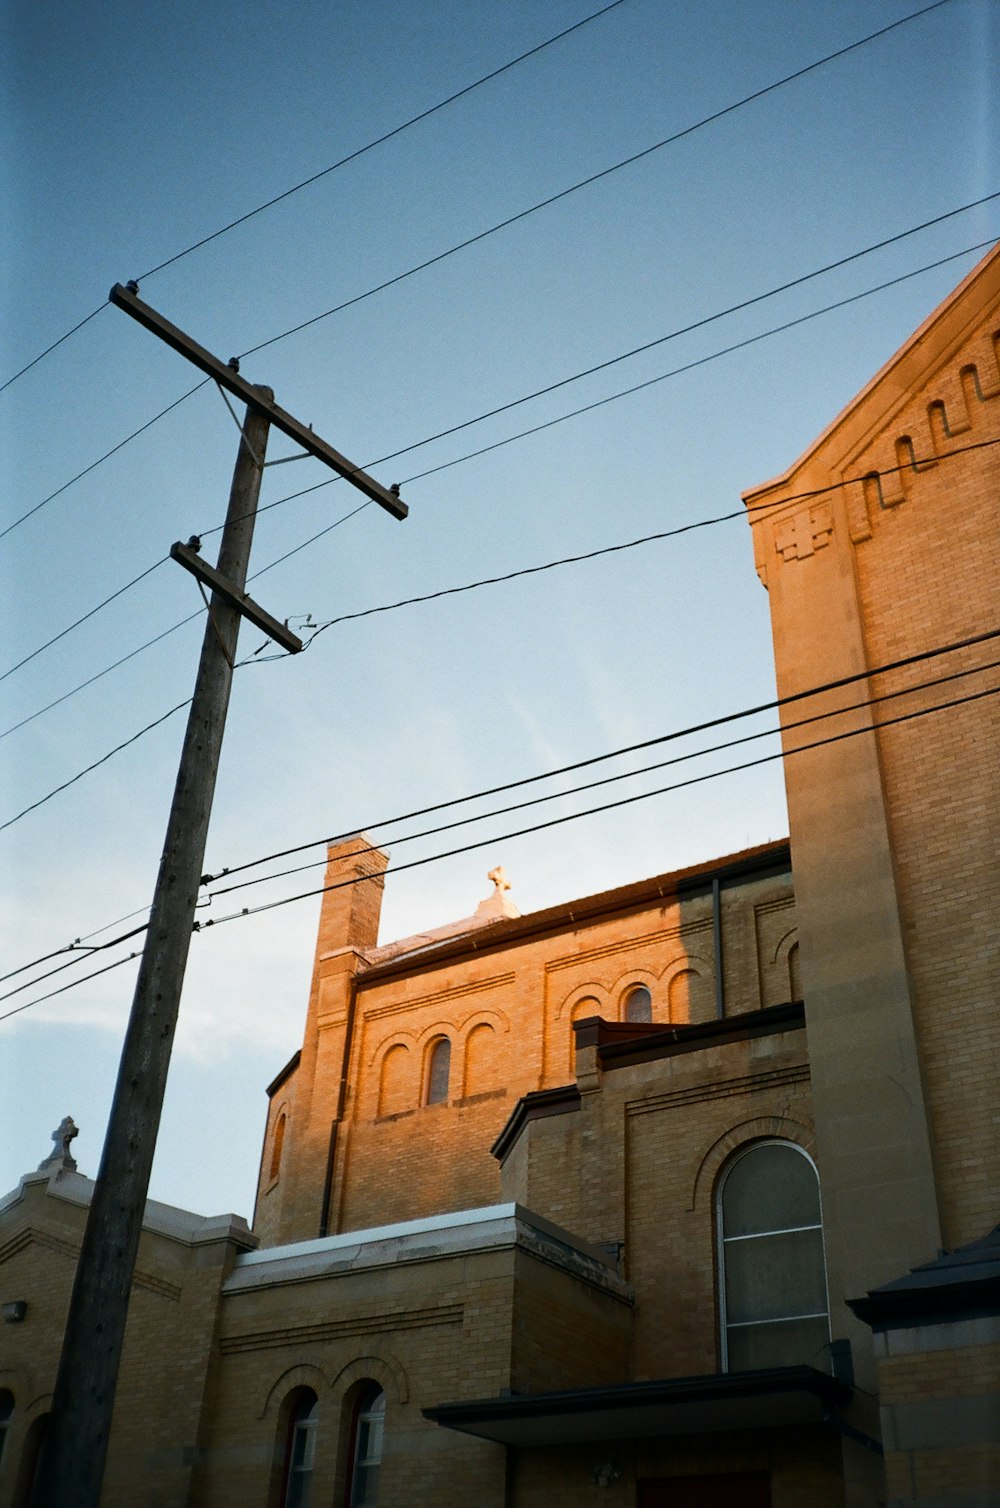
x,y
736,1489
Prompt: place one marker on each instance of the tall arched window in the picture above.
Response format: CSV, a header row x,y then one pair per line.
x,y
639,1004
300,1449
772,1279
438,1070
277,1143
366,1447
6,1412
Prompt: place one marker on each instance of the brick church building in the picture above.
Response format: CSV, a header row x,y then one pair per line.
x,y
676,1196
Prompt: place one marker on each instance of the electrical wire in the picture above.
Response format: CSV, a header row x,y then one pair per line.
x,y
97,762
101,459
397,130
607,806
625,801
791,699
423,115
625,355
840,711
120,592
471,455
48,349
27,1004
343,161
590,785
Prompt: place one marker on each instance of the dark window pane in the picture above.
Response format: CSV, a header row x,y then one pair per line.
x,y
773,1187
639,1005
786,1344
775,1277
440,1067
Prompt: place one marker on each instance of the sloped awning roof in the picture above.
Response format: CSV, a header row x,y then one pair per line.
x,y
770,1399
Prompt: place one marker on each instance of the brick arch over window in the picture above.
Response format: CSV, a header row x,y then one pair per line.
x,y
303,1375
396,1085
583,1005
278,1141
688,989
786,959
704,1169
594,995
385,1370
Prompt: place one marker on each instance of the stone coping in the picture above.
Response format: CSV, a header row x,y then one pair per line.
x,y
162,1219
460,1233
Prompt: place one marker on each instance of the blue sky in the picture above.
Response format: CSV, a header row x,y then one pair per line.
x,y
134,137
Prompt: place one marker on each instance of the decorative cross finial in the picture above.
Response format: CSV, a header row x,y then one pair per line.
x,y
59,1157
499,878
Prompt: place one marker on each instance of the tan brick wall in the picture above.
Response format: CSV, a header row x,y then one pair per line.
x,y
508,1015
166,1361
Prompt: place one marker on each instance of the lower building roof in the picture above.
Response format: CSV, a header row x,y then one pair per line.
x,y
780,1396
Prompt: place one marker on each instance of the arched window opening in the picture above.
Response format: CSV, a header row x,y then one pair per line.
x,y
277,1143
794,973
6,1413
31,1458
300,1450
438,1070
639,1005
772,1279
366,1447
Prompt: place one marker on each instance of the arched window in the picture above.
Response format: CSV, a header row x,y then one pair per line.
x,y
300,1449
639,1004
6,1411
277,1143
772,1279
438,1069
366,1447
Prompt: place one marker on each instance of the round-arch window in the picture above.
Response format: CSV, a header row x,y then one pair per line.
x,y
639,1005
438,1071
300,1450
773,1288
369,1429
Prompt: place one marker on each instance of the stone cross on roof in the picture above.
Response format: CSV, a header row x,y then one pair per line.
x,y
59,1158
499,878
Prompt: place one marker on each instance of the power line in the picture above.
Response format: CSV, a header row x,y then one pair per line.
x,y
71,986
791,699
650,382
471,455
342,162
523,214
87,615
97,762
688,366
42,354
609,806
273,340
592,178
630,544
101,459
559,821
590,785
587,763
388,135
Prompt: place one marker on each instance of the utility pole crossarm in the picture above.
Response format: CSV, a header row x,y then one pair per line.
x,y
227,377
252,611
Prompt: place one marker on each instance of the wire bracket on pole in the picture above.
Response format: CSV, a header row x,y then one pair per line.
x,y
239,426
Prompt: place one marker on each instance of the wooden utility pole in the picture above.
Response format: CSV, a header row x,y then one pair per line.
x,y
71,1468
